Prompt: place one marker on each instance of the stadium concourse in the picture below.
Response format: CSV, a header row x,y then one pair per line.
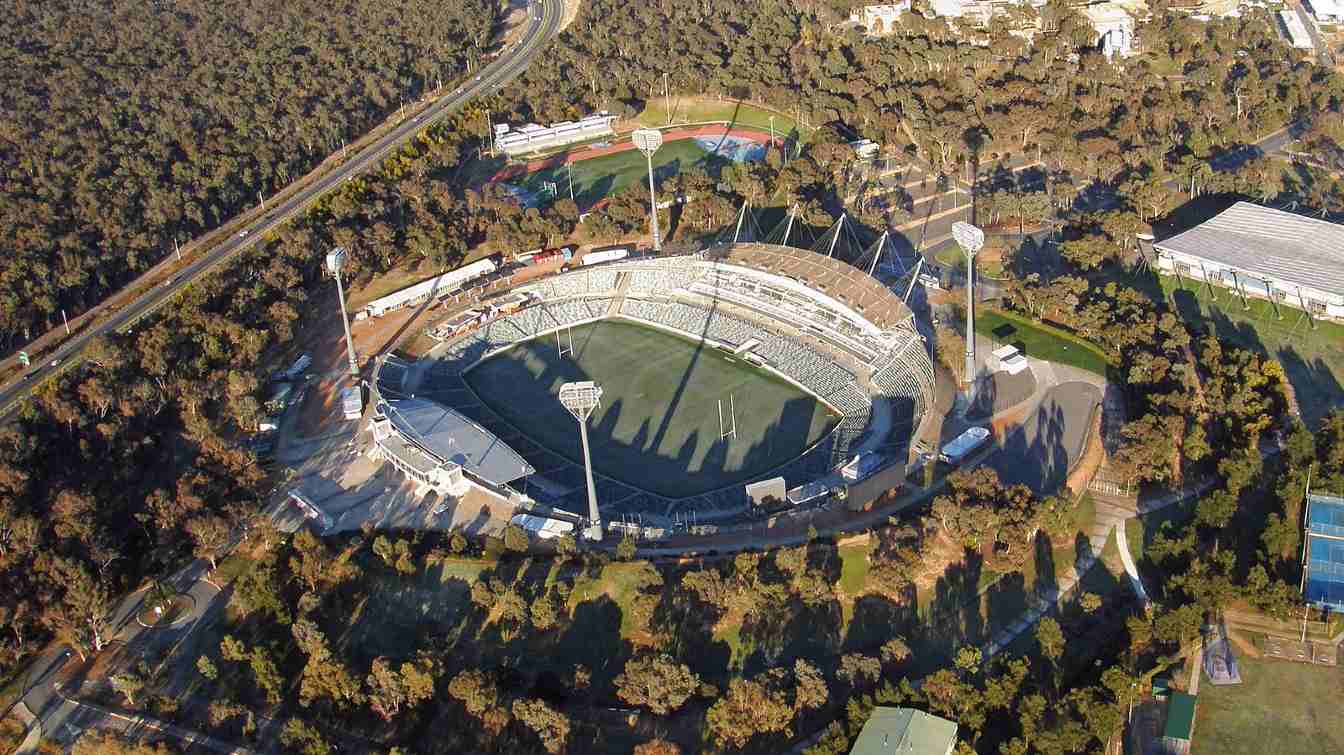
x,y
817,325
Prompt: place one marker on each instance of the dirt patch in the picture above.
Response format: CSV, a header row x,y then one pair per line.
x,y
1094,453
571,12
321,409
514,14
1244,645
858,539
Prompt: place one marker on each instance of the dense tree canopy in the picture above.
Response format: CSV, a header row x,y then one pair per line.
x,y
124,125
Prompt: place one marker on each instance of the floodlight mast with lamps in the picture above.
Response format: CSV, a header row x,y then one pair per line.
x,y
581,399
336,261
970,239
648,140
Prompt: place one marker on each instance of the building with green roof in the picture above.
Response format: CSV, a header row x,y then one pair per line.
x,y
905,731
1180,721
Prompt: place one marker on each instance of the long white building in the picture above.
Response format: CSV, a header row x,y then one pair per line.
x,y
438,286
1326,11
1264,253
533,138
1295,30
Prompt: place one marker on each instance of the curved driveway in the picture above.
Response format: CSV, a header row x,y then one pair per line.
x,y
544,18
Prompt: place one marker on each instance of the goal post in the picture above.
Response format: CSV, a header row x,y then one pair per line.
x,y
728,429
565,346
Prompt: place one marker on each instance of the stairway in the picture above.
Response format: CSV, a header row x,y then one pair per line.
x,y
622,285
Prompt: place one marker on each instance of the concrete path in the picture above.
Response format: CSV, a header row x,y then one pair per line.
x,y
1128,560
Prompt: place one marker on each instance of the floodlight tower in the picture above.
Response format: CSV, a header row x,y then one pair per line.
x,y
581,399
970,239
648,140
336,261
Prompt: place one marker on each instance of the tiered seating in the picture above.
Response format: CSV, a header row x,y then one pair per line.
x,y
601,281
570,284
575,283
661,277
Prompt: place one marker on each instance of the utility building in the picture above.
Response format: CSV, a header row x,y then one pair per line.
x,y
1264,253
906,731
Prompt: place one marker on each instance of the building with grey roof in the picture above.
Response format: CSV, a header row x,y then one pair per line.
x,y
441,449
905,731
1264,253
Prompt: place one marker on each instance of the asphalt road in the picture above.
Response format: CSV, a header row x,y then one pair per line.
x,y
543,23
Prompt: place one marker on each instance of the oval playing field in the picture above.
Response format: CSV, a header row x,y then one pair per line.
x,y
659,426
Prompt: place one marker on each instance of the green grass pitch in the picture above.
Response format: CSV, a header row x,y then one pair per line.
x,y
658,426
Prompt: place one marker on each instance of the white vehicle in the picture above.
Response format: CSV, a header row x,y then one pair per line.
x,y
961,446
352,403
242,234
606,255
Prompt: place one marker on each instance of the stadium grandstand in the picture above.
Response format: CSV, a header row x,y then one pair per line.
x,y
817,323
1264,253
533,138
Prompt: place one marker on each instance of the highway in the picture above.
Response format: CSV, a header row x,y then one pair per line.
x,y
544,18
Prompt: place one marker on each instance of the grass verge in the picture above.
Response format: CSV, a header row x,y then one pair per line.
x,y
1040,341
1280,707
701,110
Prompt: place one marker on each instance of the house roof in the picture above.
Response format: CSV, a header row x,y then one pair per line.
x,y
452,437
1261,240
905,731
1180,716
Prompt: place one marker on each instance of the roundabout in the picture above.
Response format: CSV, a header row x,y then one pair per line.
x,y
174,611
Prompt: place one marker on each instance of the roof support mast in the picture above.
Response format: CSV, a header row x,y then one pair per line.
x,y
877,254
839,226
740,217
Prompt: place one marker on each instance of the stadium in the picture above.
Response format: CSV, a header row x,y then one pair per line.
x,y
741,363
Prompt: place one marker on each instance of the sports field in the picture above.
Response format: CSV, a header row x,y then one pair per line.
x,y
658,426
1281,707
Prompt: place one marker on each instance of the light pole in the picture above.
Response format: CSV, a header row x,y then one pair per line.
x,y
648,140
581,399
772,132
970,239
335,261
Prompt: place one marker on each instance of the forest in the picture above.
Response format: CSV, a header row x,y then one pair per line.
x,y
124,469
127,125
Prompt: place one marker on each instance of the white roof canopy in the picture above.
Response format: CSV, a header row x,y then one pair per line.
x,y
1271,243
